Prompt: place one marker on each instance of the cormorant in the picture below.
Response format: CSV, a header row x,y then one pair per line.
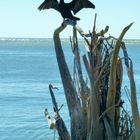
x,y
66,8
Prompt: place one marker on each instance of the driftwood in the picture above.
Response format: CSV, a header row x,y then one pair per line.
x,y
95,108
134,104
71,94
112,82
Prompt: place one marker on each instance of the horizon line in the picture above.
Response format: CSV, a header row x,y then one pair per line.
x,y
52,38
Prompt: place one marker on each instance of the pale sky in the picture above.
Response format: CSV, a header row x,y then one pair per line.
x,y
21,18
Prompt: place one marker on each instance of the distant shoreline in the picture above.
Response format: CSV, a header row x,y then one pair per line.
x,y
12,39
45,38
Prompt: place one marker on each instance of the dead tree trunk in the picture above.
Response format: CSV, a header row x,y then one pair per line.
x,y
134,104
112,83
95,109
73,101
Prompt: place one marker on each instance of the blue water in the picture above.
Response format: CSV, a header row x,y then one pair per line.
x,y
27,66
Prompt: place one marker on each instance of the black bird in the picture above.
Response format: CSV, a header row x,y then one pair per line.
x,y
66,8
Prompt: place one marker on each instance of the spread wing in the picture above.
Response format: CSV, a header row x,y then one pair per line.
x,y
71,4
47,4
80,4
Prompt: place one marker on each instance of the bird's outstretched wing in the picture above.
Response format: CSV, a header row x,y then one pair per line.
x,y
71,4
80,4
47,4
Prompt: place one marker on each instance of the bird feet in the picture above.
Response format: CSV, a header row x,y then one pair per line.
x,y
69,21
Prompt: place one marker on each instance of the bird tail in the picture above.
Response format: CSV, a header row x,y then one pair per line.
x,y
76,18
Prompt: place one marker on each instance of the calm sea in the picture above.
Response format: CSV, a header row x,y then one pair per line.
x,y
27,66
